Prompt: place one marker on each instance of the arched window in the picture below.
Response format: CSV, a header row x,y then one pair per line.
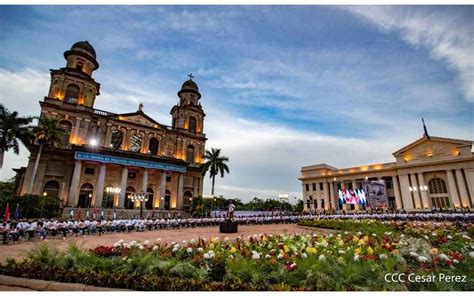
x,y
188,197
437,186
167,199
128,203
79,65
51,188
72,93
192,124
136,142
67,127
108,197
190,154
149,202
117,139
85,195
153,146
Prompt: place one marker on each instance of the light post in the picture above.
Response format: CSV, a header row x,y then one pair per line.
x,y
141,197
213,208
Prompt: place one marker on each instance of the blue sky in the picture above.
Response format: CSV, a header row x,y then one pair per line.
x,y
282,86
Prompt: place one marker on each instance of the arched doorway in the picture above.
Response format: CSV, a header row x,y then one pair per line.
x,y
153,146
128,202
187,198
108,197
149,202
439,193
51,188
167,199
85,195
192,124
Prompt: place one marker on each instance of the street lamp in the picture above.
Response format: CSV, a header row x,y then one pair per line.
x,y
141,197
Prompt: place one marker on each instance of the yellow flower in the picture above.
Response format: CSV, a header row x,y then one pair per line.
x,y
211,246
396,252
233,249
357,251
370,251
361,242
434,251
286,249
355,239
311,250
366,238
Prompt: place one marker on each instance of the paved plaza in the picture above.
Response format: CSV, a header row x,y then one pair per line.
x,y
18,250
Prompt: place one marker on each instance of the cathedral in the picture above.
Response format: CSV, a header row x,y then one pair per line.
x,y
121,162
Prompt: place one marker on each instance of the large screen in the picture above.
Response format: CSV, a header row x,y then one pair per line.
x,y
373,194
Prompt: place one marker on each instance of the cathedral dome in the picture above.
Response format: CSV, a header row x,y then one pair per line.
x,y
189,85
85,50
84,45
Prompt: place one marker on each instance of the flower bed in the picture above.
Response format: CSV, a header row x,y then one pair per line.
x,y
350,260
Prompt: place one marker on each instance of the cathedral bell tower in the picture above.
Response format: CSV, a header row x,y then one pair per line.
x,y
74,83
188,113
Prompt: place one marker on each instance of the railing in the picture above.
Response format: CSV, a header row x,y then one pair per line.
x,y
103,113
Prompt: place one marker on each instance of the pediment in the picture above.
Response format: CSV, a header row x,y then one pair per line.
x,y
139,118
432,147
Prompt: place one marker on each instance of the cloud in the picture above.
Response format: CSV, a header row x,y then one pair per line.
x,y
445,32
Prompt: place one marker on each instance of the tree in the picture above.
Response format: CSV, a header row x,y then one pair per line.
x,y
12,129
215,164
48,132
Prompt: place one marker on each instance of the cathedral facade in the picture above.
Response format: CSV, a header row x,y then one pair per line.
x,y
106,160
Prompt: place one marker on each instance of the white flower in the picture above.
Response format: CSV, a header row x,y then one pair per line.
x,y
304,255
356,258
422,259
120,241
471,254
374,234
226,239
388,233
255,255
141,247
155,248
132,243
345,232
383,256
126,246
341,252
433,234
330,235
185,242
231,256
268,256
321,257
293,265
359,233
206,256
200,250
280,256
158,240
116,245
455,261
402,235
426,237
449,236
146,243
189,250
192,241
413,254
466,236
176,246
443,256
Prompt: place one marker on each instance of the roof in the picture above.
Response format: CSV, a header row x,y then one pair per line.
x,y
436,139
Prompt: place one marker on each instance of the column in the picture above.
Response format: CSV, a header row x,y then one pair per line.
x,y
470,183
416,191
179,198
162,190
424,193
326,195
75,133
462,189
331,196
108,135
99,187
405,191
145,180
123,187
396,190
74,186
452,189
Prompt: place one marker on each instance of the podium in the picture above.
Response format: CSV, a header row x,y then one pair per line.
x,y
228,227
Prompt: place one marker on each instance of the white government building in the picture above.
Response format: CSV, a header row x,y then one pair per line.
x,y
430,172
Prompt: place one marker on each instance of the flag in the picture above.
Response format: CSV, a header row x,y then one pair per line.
x,y
17,212
115,214
6,217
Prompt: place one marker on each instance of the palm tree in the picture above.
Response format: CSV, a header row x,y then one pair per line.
x,y
215,164
12,129
48,132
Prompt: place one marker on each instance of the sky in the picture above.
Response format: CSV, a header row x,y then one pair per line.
x,y
282,86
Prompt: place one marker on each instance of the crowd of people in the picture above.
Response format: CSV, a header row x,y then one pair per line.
x,y
23,229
